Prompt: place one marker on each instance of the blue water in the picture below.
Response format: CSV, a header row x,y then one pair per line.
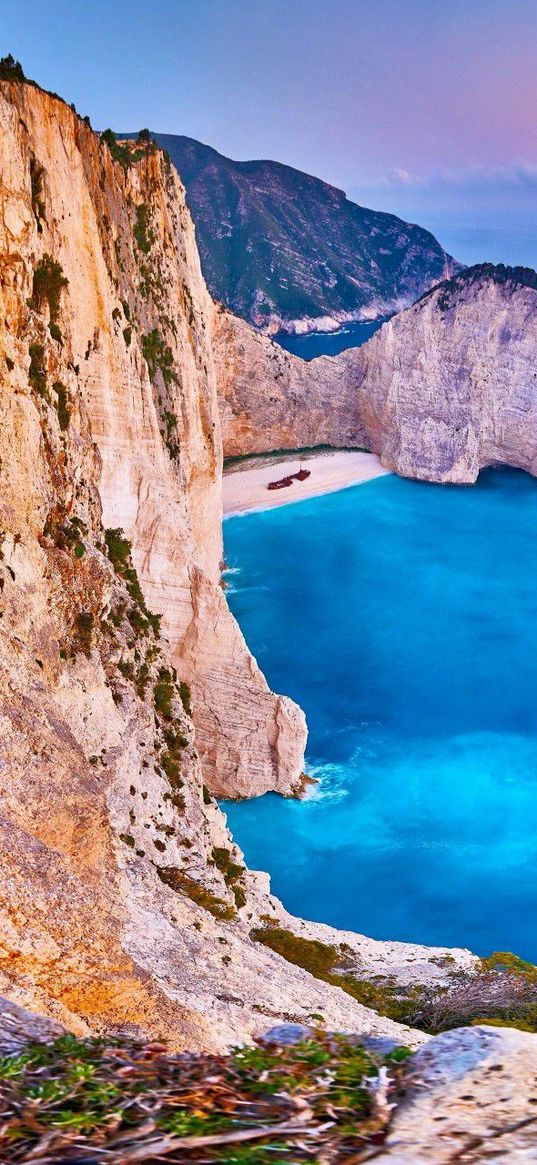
x,y
403,618
328,343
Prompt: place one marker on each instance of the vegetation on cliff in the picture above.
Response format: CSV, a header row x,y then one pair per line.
x,y
10,69
326,1097
501,991
48,284
474,277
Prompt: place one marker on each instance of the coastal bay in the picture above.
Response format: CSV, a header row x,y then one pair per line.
x,y
399,616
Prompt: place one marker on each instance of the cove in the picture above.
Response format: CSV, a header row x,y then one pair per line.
x,y
313,344
403,618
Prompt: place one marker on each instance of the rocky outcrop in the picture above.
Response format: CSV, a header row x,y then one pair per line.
x,y
440,391
467,1095
124,904
272,400
470,1097
285,250
449,386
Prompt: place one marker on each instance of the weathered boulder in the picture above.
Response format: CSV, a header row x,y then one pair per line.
x,y
472,1097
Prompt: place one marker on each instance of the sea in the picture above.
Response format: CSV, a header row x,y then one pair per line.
x,y
328,343
402,617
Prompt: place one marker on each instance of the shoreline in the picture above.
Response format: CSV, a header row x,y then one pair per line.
x,y
244,487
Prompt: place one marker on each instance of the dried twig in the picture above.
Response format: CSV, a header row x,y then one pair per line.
x,y
162,1146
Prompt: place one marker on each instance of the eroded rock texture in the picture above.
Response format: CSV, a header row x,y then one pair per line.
x,y
440,391
124,904
471,1098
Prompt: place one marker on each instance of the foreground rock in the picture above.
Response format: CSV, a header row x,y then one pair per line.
x,y
471,1096
467,1096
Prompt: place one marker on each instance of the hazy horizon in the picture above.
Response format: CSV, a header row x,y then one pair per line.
x,y
422,110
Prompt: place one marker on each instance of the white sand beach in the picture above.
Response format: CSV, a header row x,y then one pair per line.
x,y
245,483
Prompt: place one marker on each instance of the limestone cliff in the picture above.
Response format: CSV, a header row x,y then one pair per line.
x,y
449,386
136,353
440,391
127,692
272,400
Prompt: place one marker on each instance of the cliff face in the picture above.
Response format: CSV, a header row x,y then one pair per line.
x,y
285,250
124,903
440,391
449,386
137,353
272,400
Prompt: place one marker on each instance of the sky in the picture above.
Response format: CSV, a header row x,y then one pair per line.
x,y
426,108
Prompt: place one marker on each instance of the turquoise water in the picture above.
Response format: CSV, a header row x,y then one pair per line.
x,y
403,618
328,343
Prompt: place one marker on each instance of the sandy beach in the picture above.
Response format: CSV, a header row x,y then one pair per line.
x,y
245,483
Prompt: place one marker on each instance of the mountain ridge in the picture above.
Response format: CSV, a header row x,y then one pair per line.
x,y
288,251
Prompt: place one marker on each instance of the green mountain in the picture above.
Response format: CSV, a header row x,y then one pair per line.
x,y
280,247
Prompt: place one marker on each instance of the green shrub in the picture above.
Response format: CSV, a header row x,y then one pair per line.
x,y
36,184
126,667
232,873
185,694
171,767
239,896
158,356
142,680
155,621
62,405
224,862
84,624
127,335
170,421
66,535
163,694
125,152
119,550
138,621
183,884
48,284
120,152
142,232
502,961
10,69
316,957
37,377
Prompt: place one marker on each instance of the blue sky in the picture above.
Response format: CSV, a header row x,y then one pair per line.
x,y
422,107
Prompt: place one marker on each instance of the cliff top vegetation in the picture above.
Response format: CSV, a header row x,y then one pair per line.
x,y
120,1102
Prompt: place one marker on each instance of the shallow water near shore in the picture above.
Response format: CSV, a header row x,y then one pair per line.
x,y
403,618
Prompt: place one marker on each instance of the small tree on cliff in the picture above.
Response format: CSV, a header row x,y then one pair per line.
x,y
10,69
